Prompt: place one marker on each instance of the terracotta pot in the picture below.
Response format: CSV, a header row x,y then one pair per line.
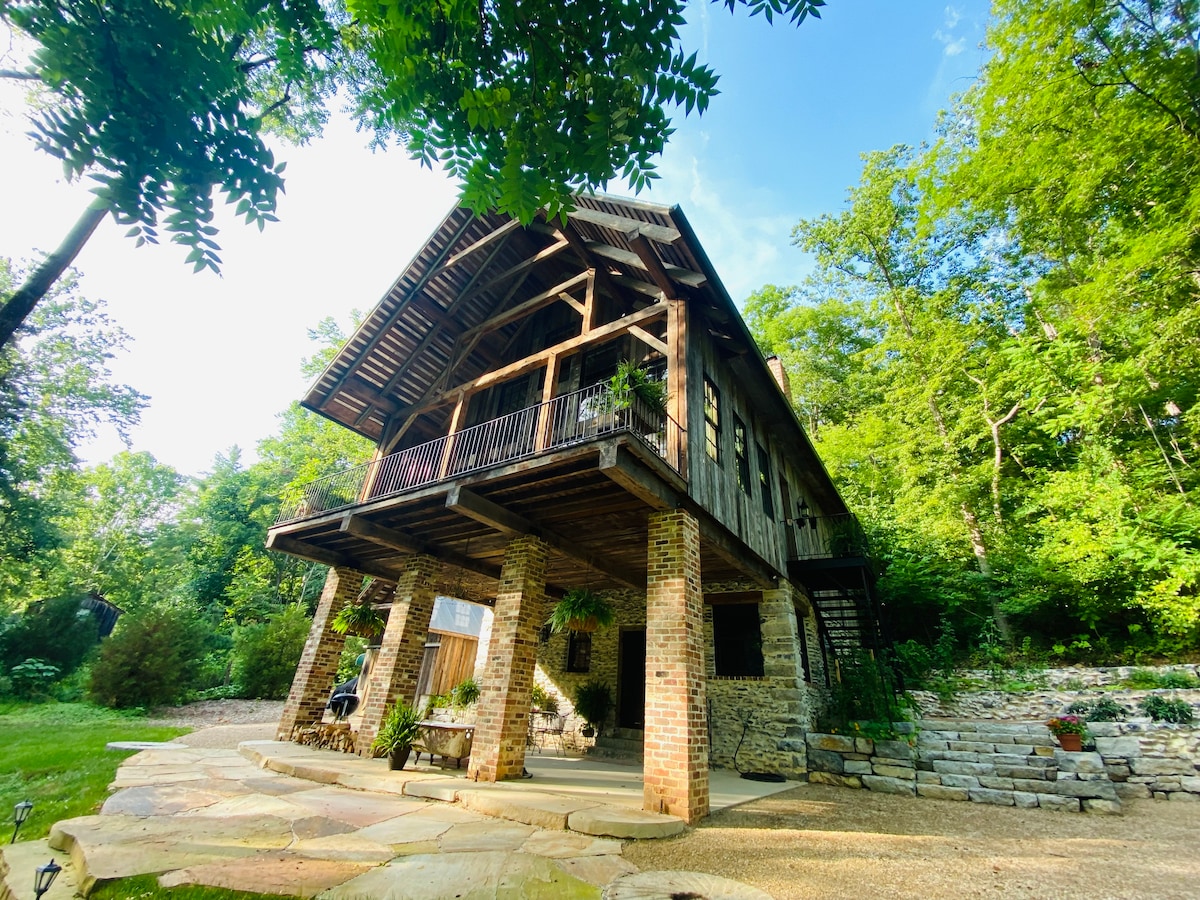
x,y
587,625
397,759
1072,743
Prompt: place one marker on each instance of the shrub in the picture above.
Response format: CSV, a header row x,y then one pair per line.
x,y
1106,710
57,631
350,662
593,700
1178,680
32,679
544,700
1143,679
1160,709
867,693
265,654
152,658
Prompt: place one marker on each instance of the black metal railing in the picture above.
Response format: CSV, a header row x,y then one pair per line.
x,y
829,537
573,418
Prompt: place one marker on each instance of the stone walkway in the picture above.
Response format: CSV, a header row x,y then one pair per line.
x,y
277,818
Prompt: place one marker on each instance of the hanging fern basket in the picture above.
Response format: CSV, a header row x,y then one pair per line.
x,y
582,611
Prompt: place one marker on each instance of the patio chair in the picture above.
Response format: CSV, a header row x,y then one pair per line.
x,y
547,726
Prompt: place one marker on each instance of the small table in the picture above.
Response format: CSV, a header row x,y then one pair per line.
x,y
449,740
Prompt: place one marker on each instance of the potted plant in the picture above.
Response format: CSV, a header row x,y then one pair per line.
x,y
543,700
362,619
397,733
632,382
465,693
1069,730
593,700
581,610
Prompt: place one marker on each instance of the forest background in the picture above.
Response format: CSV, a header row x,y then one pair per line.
x,y
996,357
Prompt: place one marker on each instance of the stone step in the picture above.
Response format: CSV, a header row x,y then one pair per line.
x,y
17,871
620,744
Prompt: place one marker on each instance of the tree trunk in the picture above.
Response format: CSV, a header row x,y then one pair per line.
x,y
17,307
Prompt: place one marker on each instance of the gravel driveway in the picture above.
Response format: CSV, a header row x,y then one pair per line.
x,y
222,724
823,842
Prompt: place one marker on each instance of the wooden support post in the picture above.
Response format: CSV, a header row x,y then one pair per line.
x,y
455,426
677,385
589,303
545,424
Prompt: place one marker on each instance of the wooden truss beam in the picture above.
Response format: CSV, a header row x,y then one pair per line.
x,y
404,542
625,226
527,307
488,238
625,257
467,503
652,264
284,544
617,464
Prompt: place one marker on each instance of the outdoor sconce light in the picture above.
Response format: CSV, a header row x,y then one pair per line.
x,y
45,877
20,814
803,519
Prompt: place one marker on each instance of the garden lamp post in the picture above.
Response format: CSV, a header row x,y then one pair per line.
x,y
45,877
20,814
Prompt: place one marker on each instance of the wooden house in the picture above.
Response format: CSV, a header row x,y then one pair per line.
x,y
507,474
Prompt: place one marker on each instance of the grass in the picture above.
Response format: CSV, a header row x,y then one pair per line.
x,y
53,754
145,887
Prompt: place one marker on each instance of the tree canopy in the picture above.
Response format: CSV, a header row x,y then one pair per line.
x,y
162,102
1015,314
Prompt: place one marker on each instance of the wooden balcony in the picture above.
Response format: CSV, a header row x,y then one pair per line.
x,y
575,471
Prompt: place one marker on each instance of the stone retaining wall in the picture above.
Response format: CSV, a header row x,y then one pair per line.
x,y
1033,705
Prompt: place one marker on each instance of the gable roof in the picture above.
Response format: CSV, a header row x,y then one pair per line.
x,y
423,338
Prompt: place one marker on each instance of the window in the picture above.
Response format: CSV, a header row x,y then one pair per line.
x,y
764,481
741,455
712,420
579,652
737,640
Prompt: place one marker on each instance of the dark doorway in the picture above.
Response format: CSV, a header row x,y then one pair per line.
x,y
631,679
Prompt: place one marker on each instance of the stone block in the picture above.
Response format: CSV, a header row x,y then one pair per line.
x,y
930,743
1104,730
1117,772
1041,762
941,792
1059,804
1158,765
1007,759
1037,740
1037,785
864,745
891,761
849,781
1132,791
1085,763
857,767
859,756
996,783
1103,807
928,778
925,765
900,772
1020,749
1025,799
825,761
1182,795
961,781
836,742
972,747
993,797
904,727
1021,772
996,738
620,822
1047,751
976,737
1092,790
952,767
1117,746
893,749
1190,783
962,755
885,785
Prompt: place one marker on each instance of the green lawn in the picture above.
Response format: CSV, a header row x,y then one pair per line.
x,y
53,754
145,887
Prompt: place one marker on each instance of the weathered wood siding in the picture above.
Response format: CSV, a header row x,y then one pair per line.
x,y
714,485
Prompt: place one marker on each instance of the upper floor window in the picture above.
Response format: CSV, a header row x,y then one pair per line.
x,y
764,481
712,420
741,455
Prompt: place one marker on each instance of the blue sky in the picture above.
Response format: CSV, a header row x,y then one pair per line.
x,y
219,356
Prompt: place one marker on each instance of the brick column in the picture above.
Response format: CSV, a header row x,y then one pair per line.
x,y
502,718
319,662
675,770
398,663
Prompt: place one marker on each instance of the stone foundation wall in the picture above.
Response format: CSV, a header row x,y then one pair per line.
x,y
1034,705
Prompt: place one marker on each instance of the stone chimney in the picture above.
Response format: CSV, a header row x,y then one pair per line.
x,y
775,364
